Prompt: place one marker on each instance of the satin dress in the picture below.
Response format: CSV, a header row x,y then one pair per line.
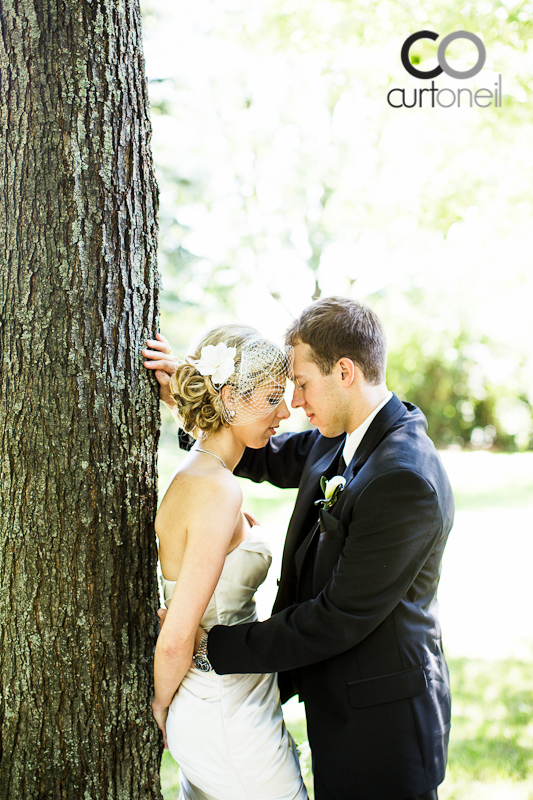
x,y
227,731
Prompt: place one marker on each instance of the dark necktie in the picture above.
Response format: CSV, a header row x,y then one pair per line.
x,y
342,465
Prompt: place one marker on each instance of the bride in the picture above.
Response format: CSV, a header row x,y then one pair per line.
x,y
225,731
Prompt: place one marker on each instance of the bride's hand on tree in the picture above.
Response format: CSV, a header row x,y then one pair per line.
x,y
160,359
160,716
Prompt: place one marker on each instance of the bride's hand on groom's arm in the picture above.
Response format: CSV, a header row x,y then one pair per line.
x,y
160,359
161,613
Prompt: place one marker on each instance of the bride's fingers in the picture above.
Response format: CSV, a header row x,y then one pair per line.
x,y
163,350
163,730
163,378
162,375
160,343
154,355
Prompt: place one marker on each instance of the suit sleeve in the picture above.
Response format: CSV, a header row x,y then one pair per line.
x,y
394,525
281,462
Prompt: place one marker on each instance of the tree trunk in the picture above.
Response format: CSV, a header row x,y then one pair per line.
x,y
79,415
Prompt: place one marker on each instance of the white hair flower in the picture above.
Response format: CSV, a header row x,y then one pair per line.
x,y
217,361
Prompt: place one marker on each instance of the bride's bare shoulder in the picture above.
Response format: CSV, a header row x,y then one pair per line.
x,y
190,488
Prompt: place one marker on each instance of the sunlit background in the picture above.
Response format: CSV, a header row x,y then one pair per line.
x,y
285,175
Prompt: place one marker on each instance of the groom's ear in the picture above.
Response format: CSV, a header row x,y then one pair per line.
x,y
347,371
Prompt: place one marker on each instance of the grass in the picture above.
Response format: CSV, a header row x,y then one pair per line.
x,y
491,743
491,746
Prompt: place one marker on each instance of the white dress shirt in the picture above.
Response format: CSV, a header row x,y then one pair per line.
x,y
353,440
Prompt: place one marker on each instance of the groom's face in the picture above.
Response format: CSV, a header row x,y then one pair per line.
x,y
317,394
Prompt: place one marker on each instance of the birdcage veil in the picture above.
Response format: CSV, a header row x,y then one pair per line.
x,y
253,377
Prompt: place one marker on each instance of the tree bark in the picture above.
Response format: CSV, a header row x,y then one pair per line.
x,y
79,415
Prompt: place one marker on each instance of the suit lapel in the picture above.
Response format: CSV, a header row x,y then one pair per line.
x,y
327,467
304,507
303,525
386,418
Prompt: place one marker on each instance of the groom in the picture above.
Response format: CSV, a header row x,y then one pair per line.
x,y
354,629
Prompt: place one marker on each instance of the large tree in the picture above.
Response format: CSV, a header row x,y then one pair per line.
x,y
79,416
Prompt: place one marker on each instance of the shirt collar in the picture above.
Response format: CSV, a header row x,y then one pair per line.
x,y
353,440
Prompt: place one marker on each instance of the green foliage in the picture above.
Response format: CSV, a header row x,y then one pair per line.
x,y
461,404
285,176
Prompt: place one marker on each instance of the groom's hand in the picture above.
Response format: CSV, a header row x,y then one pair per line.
x,y
160,359
200,633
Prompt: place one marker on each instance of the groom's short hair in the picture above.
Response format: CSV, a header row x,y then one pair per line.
x,y
337,327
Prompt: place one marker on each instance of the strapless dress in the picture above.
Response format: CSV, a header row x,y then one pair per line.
x,y
226,732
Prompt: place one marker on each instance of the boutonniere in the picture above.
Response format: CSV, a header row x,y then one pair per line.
x,y
331,489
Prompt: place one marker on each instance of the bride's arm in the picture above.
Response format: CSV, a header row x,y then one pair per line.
x,y
210,505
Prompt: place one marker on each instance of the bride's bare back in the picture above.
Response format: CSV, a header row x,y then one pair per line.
x,y
193,487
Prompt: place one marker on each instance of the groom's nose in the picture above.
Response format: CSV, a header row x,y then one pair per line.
x,y
297,398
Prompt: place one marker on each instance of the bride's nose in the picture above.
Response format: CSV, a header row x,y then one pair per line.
x,y
283,411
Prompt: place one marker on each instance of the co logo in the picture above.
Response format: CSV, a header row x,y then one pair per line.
x,y
441,55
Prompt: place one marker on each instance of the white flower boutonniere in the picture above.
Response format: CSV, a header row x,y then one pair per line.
x,y
331,489
217,361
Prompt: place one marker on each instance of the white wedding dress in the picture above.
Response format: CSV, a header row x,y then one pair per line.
x,y
227,731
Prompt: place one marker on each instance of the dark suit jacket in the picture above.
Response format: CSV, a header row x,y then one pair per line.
x,y
354,627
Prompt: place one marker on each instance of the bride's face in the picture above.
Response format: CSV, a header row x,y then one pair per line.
x,y
265,400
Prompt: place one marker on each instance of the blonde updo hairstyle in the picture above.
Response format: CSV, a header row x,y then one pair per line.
x,y
199,406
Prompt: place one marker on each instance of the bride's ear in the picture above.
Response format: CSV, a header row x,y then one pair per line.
x,y
229,399
228,394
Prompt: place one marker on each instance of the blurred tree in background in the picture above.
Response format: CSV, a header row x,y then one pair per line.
x,y
285,175
462,405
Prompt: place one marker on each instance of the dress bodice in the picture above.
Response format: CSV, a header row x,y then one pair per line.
x,y
244,570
